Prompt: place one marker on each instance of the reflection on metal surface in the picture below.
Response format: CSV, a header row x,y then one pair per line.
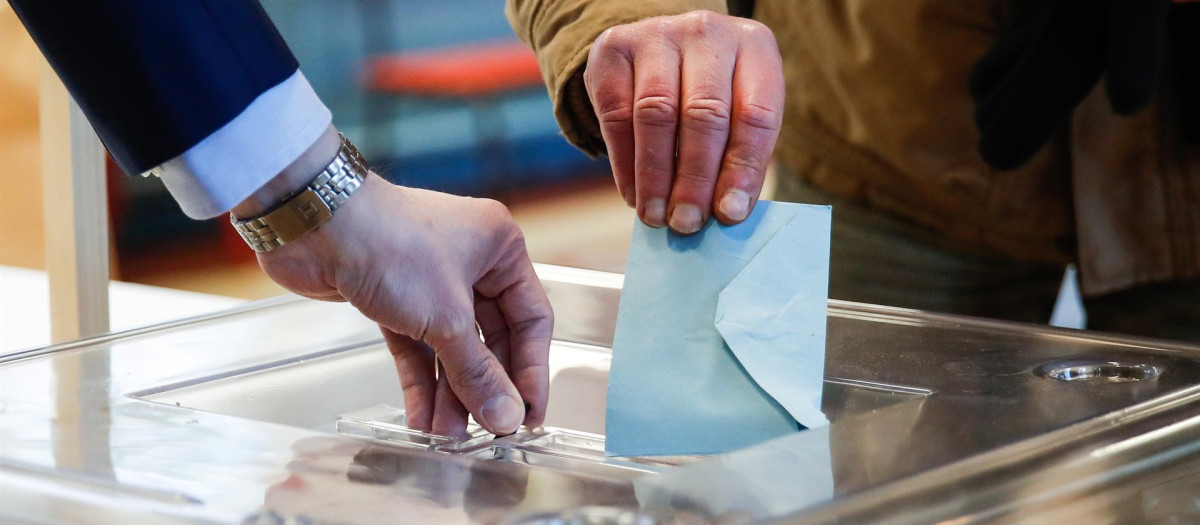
x,y
593,318
933,418
340,481
543,446
879,387
81,424
1100,372
1051,479
589,516
62,480
386,424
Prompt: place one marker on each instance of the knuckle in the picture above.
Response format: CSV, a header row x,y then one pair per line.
x,y
414,389
510,243
454,326
495,210
478,375
538,328
608,40
760,117
658,27
754,27
610,111
656,110
707,113
703,23
494,215
759,35
744,161
545,312
516,238
701,178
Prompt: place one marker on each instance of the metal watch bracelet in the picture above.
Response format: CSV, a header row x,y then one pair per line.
x,y
309,208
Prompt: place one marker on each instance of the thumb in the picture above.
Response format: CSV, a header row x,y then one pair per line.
x,y
478,378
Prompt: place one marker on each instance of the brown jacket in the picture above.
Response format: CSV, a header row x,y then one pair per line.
x,y
878,111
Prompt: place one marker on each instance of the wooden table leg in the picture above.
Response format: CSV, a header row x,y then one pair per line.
x,y
76,215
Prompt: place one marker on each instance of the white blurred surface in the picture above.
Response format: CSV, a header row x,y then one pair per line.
x,y
25,307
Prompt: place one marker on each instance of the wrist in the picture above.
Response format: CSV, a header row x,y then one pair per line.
x,y
292,179
284,211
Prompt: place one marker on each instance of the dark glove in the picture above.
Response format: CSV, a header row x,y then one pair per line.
x,y
1050,57
1185,53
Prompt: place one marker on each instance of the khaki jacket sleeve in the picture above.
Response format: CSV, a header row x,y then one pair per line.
x,y
562,31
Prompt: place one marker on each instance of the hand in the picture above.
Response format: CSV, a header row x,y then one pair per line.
x,y
1051,57
690,107
430,268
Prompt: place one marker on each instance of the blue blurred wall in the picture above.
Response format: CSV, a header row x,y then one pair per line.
x,y
430,143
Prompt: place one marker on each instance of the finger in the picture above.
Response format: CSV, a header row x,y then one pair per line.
x,y
449,415
609,81
703,132
494,329
474,374
655,122
530,324
415,366
758,96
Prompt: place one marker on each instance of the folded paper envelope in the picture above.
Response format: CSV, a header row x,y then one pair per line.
x,y
720,339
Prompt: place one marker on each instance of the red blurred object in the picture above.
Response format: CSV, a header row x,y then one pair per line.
x,y
236,250
464,71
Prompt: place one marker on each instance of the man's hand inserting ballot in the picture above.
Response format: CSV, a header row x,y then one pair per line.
x,y
690,107
214,103
436,270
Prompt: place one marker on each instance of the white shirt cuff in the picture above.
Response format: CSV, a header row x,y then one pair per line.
x,y
239,158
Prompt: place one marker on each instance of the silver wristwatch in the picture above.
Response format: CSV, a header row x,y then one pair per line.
x,y
309,208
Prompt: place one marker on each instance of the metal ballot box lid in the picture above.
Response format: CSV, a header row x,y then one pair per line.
x,y
934,418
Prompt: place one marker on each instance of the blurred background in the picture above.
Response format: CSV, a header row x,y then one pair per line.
x,y
437,95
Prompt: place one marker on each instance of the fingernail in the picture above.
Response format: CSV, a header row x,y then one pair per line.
x,y
735,205
656,213
630,197
503,414
686,219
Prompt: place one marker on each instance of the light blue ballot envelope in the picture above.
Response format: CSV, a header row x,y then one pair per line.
x,y
720,340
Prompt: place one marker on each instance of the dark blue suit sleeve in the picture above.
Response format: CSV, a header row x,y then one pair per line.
x,y
155,77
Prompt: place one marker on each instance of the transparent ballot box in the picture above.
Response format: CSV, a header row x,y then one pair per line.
x,y
289,411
